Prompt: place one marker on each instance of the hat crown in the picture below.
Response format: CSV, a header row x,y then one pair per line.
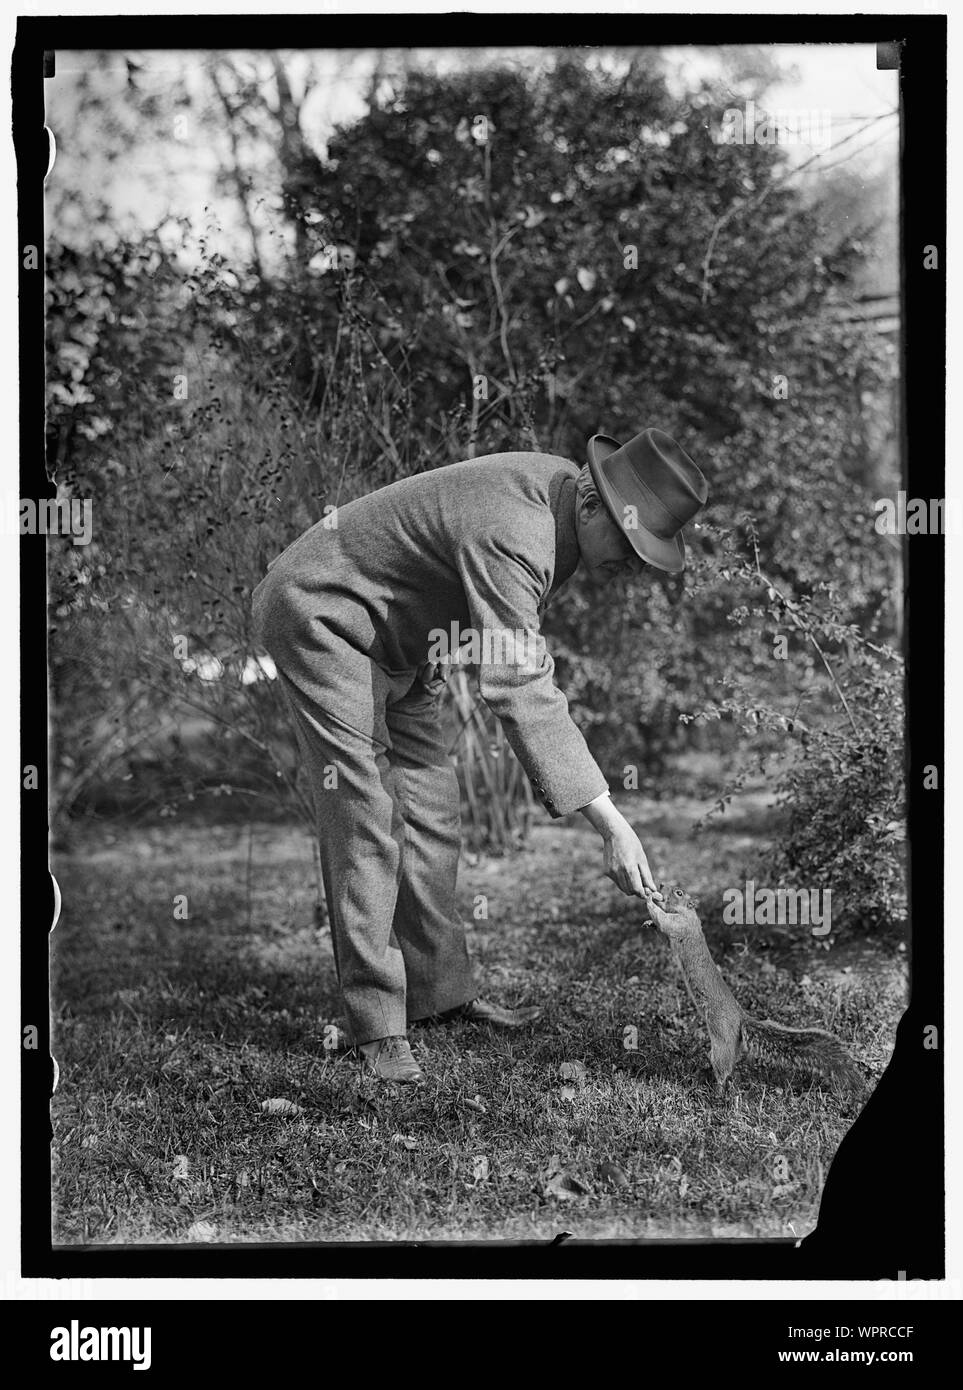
x,y
662,467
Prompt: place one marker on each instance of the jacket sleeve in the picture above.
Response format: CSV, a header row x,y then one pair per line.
x,y
515,674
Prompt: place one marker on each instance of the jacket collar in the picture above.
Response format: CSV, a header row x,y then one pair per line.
x,y
562,500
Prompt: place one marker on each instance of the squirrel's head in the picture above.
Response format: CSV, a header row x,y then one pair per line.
x,y
675,913
675,899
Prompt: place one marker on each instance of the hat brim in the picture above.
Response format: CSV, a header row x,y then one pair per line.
x,y
664,555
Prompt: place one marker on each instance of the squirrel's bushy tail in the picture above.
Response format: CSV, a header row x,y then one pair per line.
x,y
812,1048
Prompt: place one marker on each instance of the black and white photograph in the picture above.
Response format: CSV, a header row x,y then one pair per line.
x,y
481,484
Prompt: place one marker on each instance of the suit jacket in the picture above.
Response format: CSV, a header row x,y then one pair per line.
x,y
482,544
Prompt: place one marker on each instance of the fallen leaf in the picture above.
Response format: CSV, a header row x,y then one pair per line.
x,y
567,1093
181,1168
573,1071
475,1104
278,1106
564,1185
202,1230
407,1141
480,1168
683,1185
612,1173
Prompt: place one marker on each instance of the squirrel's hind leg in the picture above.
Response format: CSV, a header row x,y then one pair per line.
x,y
721,1088
727,1045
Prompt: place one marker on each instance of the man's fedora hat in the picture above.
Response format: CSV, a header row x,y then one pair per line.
x,y
652,489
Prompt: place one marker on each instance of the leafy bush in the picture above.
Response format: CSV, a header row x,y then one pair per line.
x,y
443,296
841,739
845,797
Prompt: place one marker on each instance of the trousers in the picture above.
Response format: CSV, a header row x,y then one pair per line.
x,y
387,812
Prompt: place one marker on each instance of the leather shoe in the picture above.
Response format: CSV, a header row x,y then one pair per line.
x,y
484,1011
390,1059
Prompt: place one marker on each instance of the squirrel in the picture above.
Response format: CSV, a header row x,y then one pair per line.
x,y
733,1032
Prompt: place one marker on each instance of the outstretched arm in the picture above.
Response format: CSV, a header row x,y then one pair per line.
x,y
516,672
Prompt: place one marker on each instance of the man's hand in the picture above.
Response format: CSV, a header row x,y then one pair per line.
x,y
625,861
626,864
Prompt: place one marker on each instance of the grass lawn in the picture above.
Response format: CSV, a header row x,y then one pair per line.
x,y
171,1034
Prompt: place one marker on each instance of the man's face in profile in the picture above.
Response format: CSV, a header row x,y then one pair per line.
x,y
605,550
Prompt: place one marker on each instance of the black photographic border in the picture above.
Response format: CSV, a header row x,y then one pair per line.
x,y
882,1213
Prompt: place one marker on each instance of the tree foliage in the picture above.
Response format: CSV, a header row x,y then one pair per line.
x,y
486,261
